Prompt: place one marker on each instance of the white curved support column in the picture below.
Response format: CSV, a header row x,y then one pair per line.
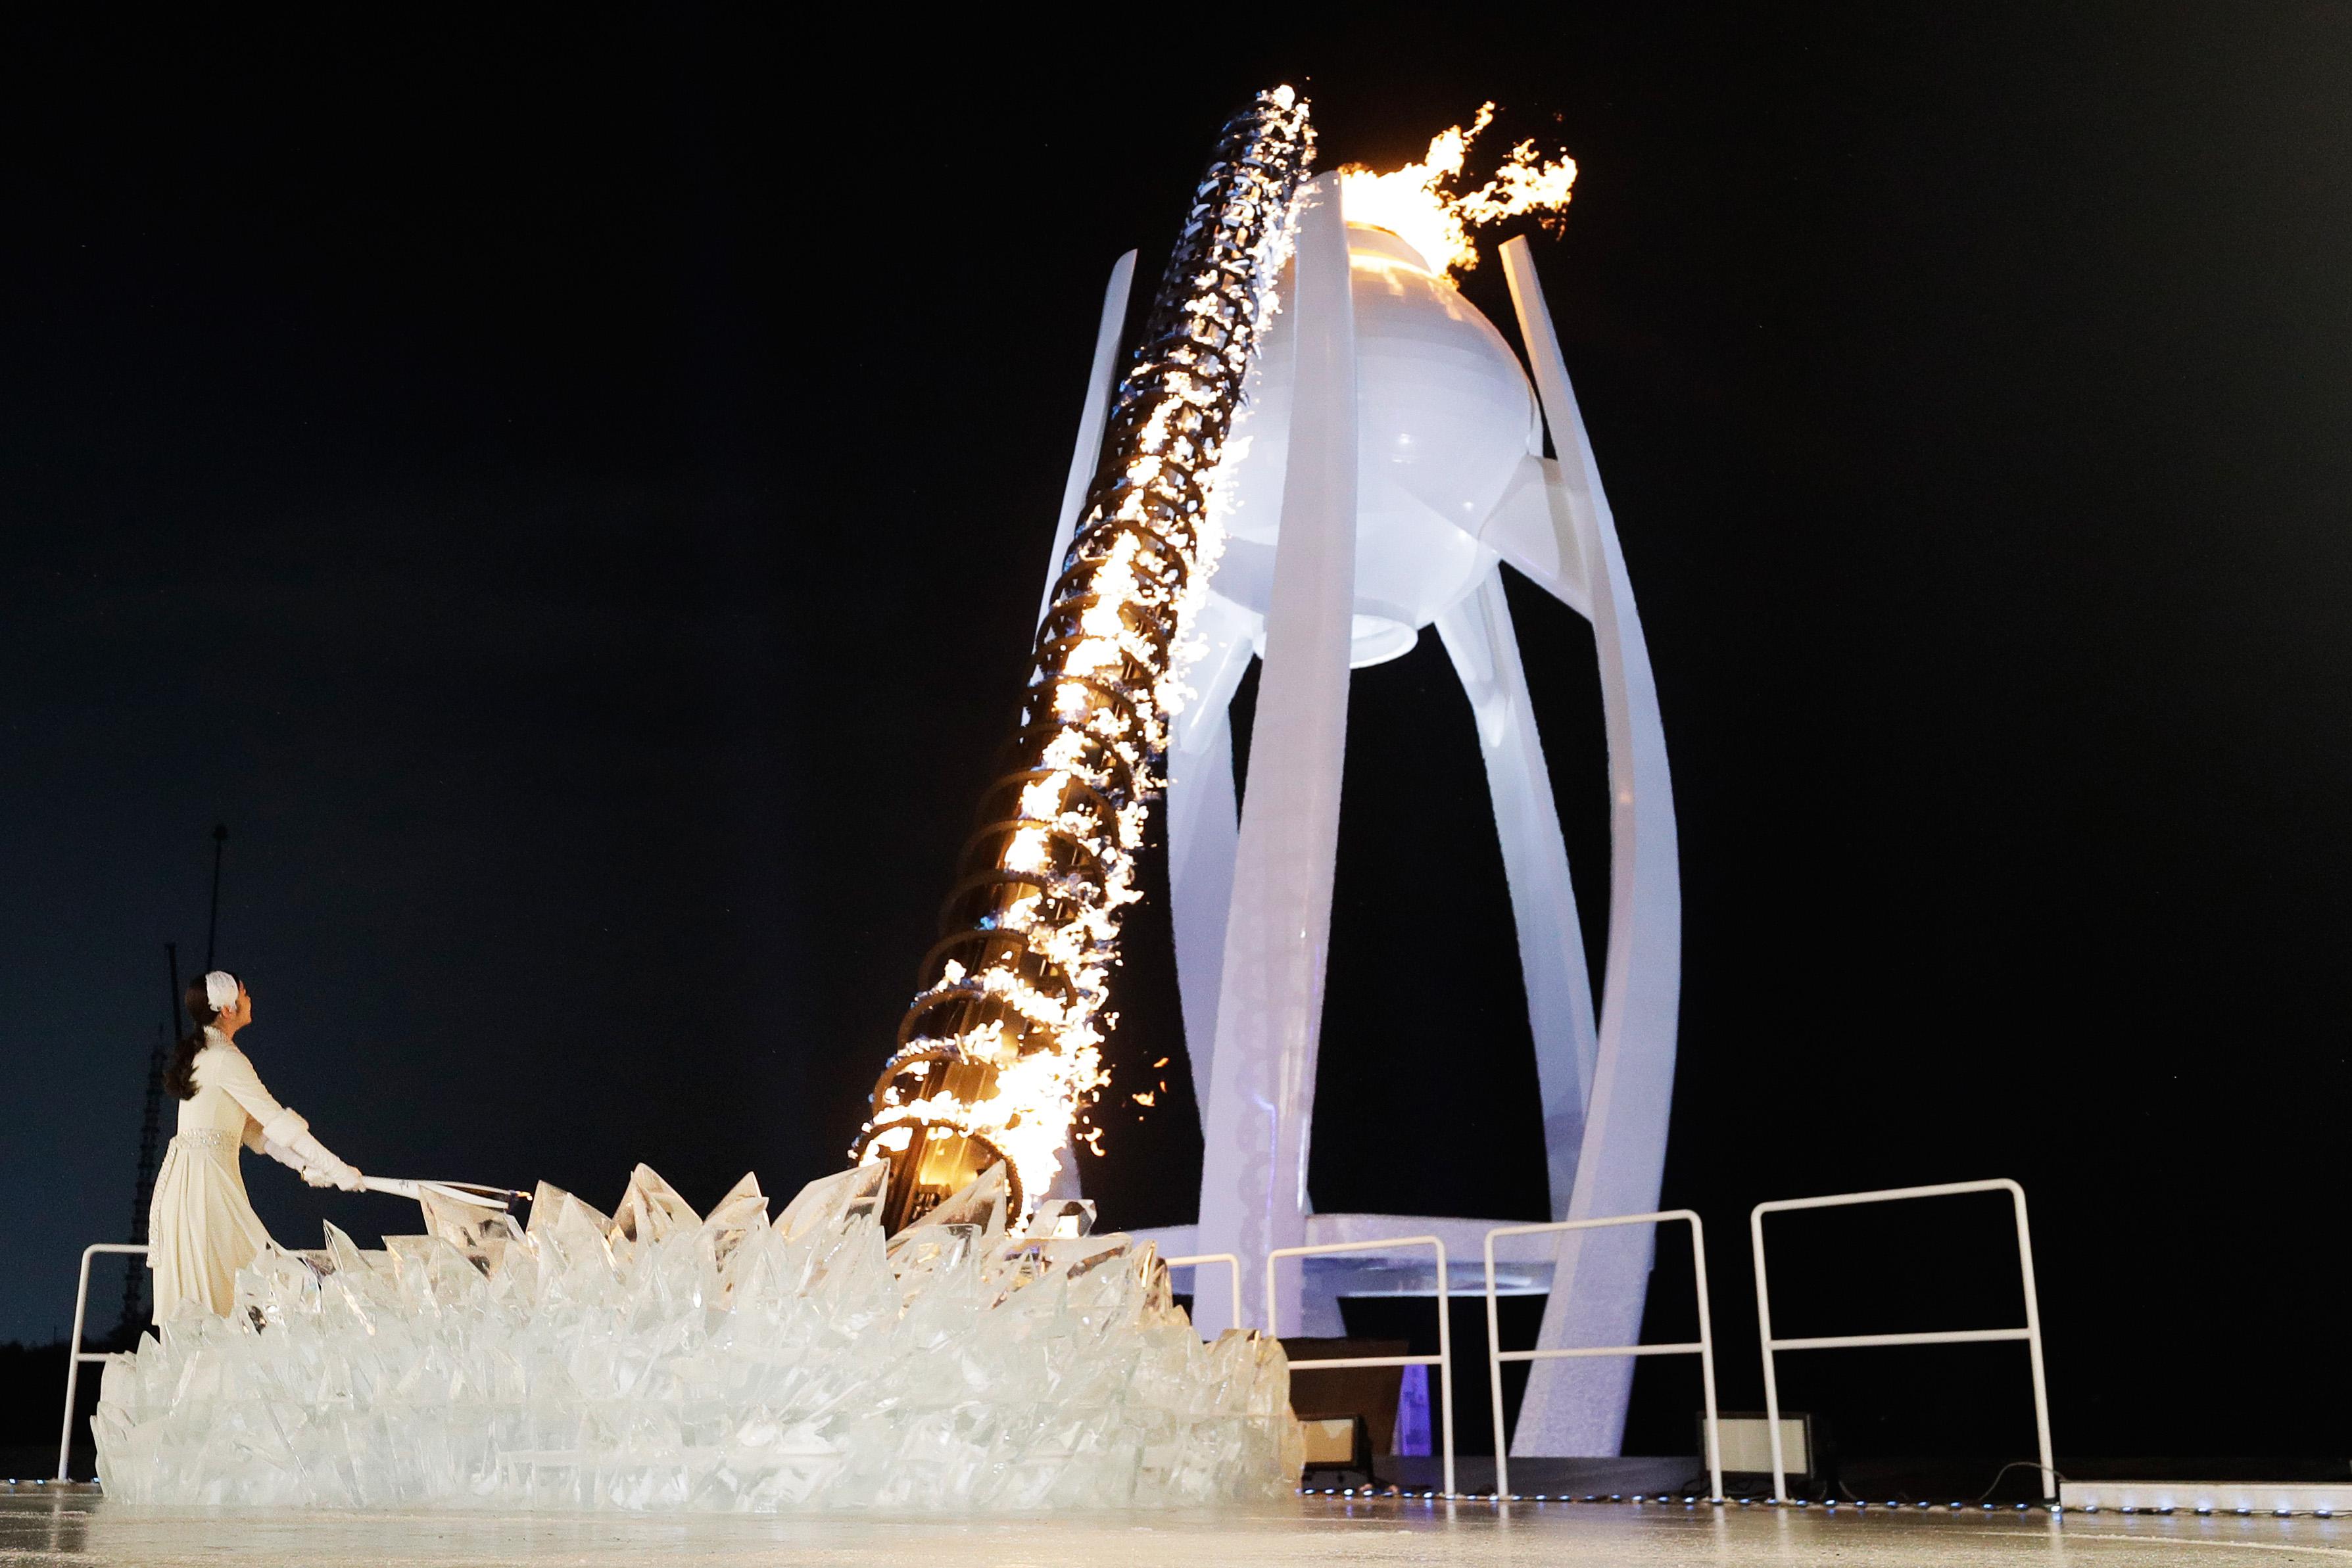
x,y
1486,653
1096,413
1204,828
1084,456
1602,1278
1270,1005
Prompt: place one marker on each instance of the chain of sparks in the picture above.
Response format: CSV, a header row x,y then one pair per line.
x,y
1001,1046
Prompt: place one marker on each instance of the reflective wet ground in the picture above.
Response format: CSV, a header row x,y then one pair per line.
x,y
81,1527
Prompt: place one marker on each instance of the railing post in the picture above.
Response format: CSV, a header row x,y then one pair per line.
x,y
1764,1334
1495,1377
73,1365
74,1357
2030,1333
1704,1349
1707,1363
2033,1343
1443,1360
1444,1355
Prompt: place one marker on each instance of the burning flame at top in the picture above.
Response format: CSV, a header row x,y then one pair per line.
x,y
1418,204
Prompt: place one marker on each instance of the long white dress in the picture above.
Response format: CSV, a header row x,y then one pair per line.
x,y
201,1228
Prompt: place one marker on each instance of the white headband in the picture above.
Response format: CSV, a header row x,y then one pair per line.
x,y
220,990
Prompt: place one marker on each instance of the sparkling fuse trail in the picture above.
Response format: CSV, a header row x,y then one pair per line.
x,y
1001,1050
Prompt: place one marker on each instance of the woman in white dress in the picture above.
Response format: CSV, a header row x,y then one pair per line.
x,y
201,1228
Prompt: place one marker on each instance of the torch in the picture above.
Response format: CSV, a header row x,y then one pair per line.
x,y
1001,1047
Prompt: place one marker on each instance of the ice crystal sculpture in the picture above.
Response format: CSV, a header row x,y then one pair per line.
x,y
658,1359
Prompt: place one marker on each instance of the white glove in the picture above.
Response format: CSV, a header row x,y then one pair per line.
x,y
319,1165
312,1175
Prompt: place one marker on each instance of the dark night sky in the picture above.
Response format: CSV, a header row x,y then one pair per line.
x,y
571,502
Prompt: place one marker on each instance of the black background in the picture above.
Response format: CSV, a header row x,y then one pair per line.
x,y
571,495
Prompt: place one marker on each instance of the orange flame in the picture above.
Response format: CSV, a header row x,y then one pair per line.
x,y
1418,204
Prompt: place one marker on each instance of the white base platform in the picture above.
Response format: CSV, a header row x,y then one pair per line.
x,y
1312,1533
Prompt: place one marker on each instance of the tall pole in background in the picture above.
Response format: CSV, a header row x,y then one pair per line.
x,y
150,1128
151,1151
212,925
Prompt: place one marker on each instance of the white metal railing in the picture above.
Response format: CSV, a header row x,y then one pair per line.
x,y
1443,1360
74,1356
1229,1261
2030,1333
1704,1348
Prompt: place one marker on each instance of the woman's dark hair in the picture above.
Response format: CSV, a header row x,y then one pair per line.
x,y
180,1078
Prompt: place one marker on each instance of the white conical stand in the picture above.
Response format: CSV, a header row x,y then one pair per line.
x,y
1251,896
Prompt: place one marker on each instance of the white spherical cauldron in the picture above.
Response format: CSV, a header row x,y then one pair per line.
x,y
1444,417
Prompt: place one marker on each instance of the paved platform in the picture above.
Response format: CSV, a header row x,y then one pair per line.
x,y
78,1530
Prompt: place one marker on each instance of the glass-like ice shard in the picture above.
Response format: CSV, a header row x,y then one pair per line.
x,y
829,1200
660,1359
650,1210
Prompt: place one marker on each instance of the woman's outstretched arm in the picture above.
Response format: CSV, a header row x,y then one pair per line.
x,y
283,1135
